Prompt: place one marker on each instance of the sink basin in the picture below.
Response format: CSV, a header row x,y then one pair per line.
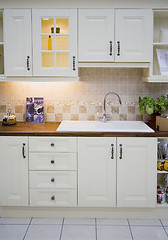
x,y
97,126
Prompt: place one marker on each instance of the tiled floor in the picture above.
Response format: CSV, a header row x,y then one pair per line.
x,y
82,229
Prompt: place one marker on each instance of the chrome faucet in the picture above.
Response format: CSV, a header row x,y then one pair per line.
x,y
105,117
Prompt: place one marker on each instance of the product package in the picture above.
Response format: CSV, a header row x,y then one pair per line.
x,y
34,110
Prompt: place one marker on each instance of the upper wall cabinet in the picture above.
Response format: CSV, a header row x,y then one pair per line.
x,y
17,38
131,41
55,42
96,34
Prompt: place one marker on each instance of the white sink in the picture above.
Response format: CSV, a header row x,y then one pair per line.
x,y
97,126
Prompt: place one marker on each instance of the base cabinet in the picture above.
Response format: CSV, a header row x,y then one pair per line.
x,y
117,172
83,171
136,172
96,172
14,171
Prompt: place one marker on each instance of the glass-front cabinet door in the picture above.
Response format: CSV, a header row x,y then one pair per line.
x,y
55,42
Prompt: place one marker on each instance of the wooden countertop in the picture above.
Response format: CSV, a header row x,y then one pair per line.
x,y
49,129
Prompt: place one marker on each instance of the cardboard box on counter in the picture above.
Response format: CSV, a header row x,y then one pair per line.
x,y
161,123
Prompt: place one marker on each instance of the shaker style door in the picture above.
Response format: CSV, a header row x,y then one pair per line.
x,y
133,35
55,42
13,171
97,171
17,38
96,35
136,172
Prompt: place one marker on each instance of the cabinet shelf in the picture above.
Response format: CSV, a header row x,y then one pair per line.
x,y
162,205
162,171
160,44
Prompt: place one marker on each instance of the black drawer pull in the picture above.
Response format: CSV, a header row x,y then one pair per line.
x,y
52,179
52,144
120,151
53,198
52,161
23,150
112,151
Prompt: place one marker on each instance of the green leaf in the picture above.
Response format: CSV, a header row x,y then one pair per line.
x,y
149,110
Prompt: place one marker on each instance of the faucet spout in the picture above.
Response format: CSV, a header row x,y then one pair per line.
x,y
105,118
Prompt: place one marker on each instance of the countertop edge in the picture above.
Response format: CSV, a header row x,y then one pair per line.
x,y
49,129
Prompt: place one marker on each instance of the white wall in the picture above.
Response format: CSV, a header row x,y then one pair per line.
x,y
83,3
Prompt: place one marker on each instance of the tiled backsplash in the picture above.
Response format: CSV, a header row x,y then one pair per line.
x,y
83,99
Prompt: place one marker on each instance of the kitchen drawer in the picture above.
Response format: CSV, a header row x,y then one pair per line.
x,y
52,144
48,197
52,161
53,179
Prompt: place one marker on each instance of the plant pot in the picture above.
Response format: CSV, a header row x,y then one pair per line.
x,y
152,121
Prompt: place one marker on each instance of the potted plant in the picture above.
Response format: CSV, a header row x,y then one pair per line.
x,y
153,107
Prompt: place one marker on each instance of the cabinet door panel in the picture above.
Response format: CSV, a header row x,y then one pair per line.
x,y
55,42
136,172
134,33
17,37
96,172
13,171
95,32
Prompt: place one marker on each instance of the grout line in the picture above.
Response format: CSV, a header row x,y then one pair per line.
x,y
96,227
27,228
163,227
130,229
61,229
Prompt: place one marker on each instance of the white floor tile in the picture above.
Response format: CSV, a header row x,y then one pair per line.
x,y
110,221
47,221
148,233
15,220
12,232
80,232
113,232
165,222
80,221
43,232
145,222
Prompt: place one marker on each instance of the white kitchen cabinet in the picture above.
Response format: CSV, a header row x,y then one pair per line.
x,y
133,35
17,38
125,38
53,171
117,172
136,172
96,34
96,171
13,171
55,42
158,72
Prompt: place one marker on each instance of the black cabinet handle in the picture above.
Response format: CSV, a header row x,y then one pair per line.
x,y
52,144
74,67
120,151
52,161
111,48
52,179
28,63
53,198
112,151
118,48
23,150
